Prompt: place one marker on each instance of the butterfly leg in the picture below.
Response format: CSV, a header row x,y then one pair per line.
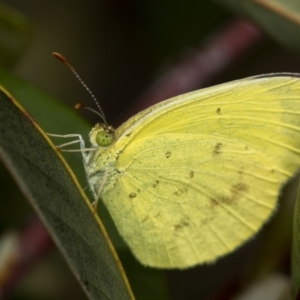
x,y
78,136
79,140
85,155
98,193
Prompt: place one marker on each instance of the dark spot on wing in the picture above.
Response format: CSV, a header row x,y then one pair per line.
x,y
180,191
181,225
217,149
168,154
145,219
240,187
155,184
213,202
132,195
227,200
236,191
218,110
192,174
128,134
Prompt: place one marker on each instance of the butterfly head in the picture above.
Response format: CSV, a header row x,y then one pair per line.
x,y
102,135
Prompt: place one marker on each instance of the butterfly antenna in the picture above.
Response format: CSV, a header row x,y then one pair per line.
x,y
66,63
82,106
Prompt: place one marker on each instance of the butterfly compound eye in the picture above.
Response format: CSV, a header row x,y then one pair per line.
x,y
104,138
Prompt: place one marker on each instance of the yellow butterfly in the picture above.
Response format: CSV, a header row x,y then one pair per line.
x,y
192,178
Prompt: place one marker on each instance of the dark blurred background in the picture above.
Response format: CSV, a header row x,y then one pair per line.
x,y
118,47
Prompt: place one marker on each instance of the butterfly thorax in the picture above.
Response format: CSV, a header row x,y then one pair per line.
x,y
101,162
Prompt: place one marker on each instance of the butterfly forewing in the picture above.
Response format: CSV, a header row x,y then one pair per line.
x,y
196,176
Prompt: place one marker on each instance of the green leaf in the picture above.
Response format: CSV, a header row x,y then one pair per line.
x,y
279,18
52,115
53,192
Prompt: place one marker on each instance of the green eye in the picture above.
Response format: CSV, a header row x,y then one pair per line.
x,y
104,138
